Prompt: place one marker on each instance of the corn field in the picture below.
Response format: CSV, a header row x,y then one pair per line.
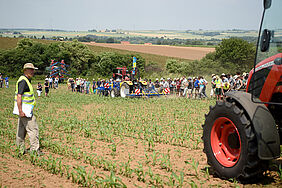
x,y
93,141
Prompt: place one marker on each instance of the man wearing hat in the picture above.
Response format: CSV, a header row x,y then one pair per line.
x,y
24,96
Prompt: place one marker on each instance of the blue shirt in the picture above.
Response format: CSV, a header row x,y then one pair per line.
x,y
196,84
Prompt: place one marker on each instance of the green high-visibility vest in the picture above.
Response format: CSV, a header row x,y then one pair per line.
x,y
226,86
218,83
27,97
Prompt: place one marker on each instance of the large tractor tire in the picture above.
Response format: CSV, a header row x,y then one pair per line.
x,y
230,143
124,90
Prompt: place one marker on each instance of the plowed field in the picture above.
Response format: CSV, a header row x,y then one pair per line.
x,y
191,53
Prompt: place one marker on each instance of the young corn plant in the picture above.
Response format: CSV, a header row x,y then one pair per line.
x,y
139,171
165,162
194,165
112,181
154,158
125,168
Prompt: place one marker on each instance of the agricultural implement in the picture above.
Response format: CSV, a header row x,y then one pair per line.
x,y
126,85
58,69
243,133
137,88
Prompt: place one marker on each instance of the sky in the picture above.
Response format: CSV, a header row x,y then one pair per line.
x,y
79,15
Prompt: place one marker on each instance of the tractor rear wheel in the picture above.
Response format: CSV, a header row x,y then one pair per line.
x,y
124,90
230,143
113,94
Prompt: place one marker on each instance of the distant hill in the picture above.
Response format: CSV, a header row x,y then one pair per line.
x,y
201,35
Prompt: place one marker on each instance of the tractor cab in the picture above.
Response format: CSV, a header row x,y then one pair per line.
x,y
265,81
120,73
266,77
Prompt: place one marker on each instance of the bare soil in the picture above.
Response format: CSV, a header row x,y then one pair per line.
x,y
17,173
191,53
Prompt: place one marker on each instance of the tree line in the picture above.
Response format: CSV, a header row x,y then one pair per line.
x,y
230,56
82,61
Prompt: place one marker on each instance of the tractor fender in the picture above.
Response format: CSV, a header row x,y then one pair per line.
x,y
128,83
263,123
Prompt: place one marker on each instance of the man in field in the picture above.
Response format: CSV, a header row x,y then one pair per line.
x,y
23,107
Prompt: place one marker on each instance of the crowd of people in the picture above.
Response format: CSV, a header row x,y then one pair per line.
x,y
4,82
190,87
50,83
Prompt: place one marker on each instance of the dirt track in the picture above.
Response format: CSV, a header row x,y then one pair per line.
x,y
191,53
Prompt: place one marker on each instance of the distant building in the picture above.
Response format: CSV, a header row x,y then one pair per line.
x,y
148,43
124,42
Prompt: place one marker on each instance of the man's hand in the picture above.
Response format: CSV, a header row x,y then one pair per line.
x,y
19,103
22,114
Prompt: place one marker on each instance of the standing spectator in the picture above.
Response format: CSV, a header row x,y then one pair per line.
x,y
87,86
184,85
69,83
202,84
244,79
99,85
1,81
205,87
170,82
213,86
94,86
151,85
178,85
190,88
50,82
77,85
196,87
173,85
72,85
166,84
26,121
226,87
162,85
157,85
7,81
231,81
81,85
238,83
46,86
218,88
39,89
56,83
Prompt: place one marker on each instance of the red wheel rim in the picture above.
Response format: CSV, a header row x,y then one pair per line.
x,y
225,153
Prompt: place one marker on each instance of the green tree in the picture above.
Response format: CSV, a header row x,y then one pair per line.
x,y
173,66
236,52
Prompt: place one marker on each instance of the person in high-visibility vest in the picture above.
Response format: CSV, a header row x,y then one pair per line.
x,y
226,87
218,87
23,106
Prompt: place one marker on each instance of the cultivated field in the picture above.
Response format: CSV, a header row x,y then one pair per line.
x,y
191,53
111,142
171,34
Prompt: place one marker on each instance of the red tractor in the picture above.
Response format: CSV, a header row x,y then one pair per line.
x,y
243,133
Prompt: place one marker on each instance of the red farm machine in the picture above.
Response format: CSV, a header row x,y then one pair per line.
x,y
127,83
243,133
58,69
